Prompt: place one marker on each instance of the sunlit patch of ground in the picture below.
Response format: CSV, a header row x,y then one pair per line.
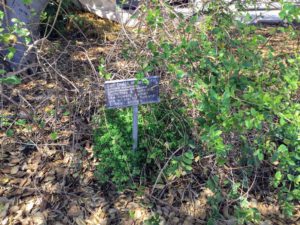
x,y
282,43
93,26
93,53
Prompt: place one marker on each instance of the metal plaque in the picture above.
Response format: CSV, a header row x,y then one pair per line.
x,y
130,92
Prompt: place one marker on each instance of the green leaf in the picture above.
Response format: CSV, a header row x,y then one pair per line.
x,y
218,133
249,124
244,202
2,71
131,214
66,113
297,180
282,121
54,136
15,20
27,2
187,167
21,122
22,32
275,157
278,175
260,156
11,53
189,154
145,81
180,74
9,133
11,80
1,15
27,40
288,209
290,177
6,38
187,161
282,149
192,145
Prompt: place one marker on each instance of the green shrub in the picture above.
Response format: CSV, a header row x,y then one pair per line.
x,y
161,131
245,95
241,91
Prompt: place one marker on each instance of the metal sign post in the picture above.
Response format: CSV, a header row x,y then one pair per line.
x,y
130,92
135,128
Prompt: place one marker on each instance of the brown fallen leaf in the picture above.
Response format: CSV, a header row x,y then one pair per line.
x,y
14,170
49,178
14,153
4,209
38,219
4,221
6,170
14,209
24,166
29,205
80,221
4,180
20,174
15,181
28,193
266,222
60,171
15,160
74,210
57,223
24,182
1,191
19,215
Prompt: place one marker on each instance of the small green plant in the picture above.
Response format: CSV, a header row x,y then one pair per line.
x,y
54,136
9,133
214,200
102,70
153,220
10,80
245,214
161,131
180,165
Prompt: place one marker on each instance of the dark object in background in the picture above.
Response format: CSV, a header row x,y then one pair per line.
x,y
178,2
128,4
133,4
28,149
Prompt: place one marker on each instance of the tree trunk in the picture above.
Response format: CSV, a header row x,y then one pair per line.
x,y
30,15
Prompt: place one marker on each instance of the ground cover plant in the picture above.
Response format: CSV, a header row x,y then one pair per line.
x,y
162,129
